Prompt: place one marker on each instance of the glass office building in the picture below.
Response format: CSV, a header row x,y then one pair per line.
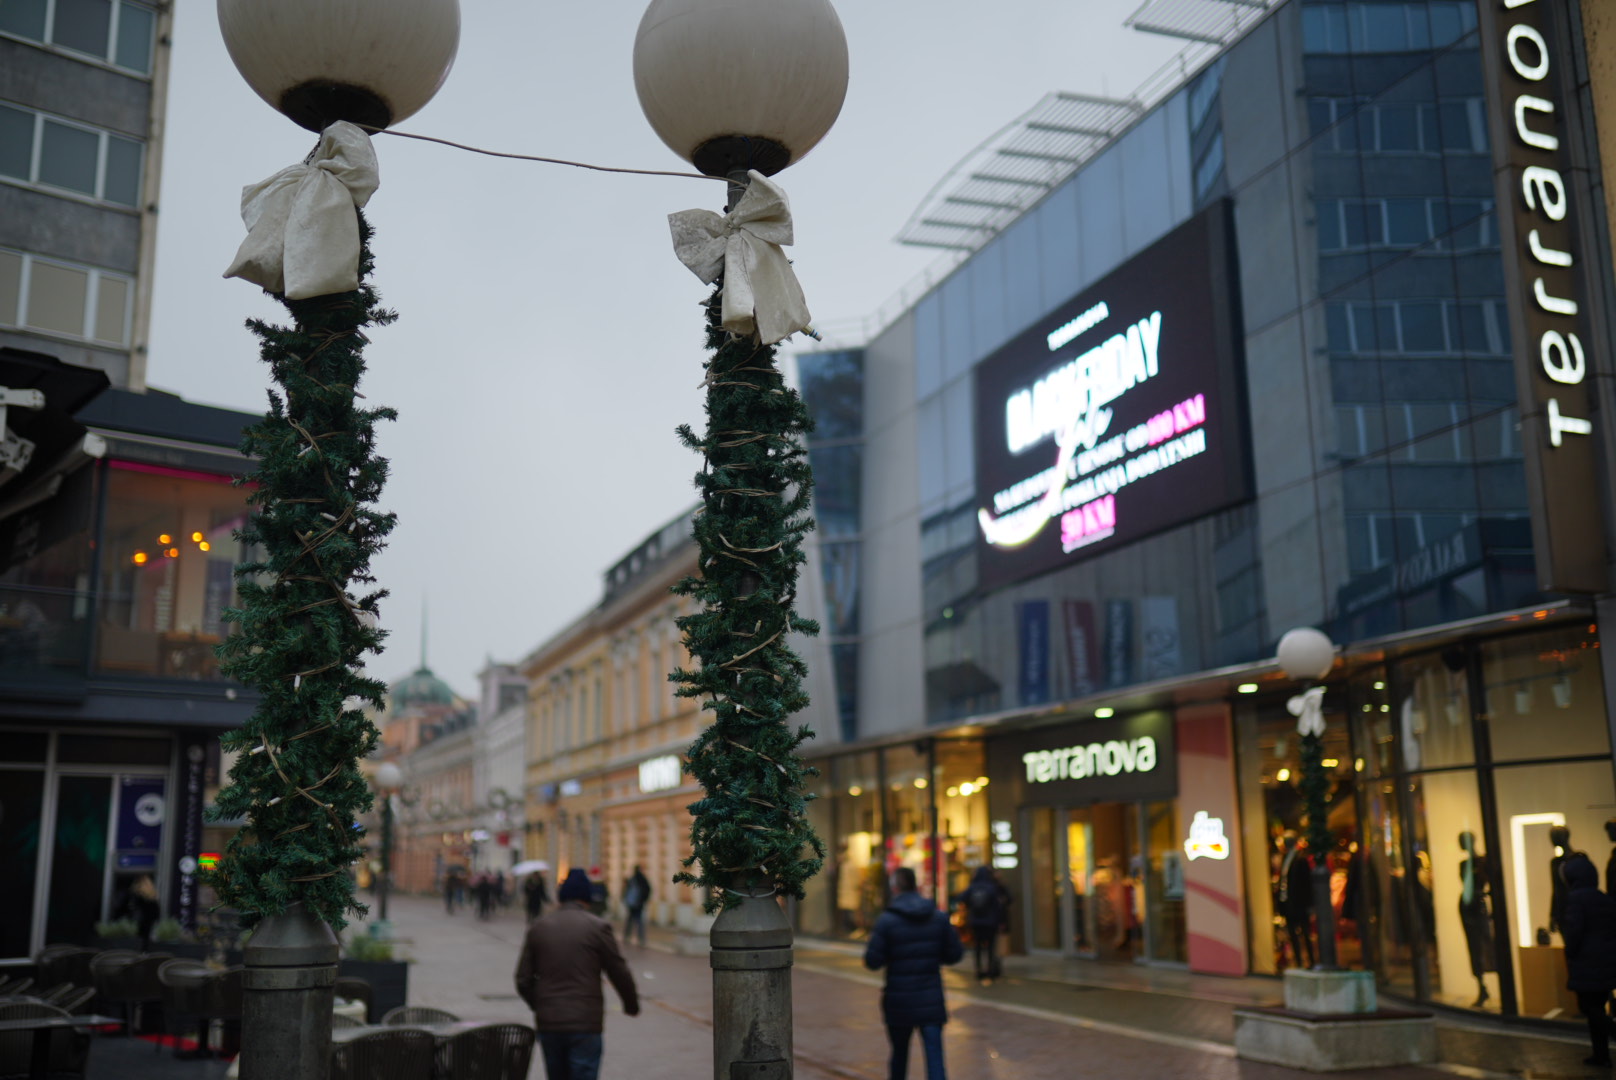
x,y
1249,368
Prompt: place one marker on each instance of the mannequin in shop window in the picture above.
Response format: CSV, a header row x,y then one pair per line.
x,y
1560,837
1296,900
1475,914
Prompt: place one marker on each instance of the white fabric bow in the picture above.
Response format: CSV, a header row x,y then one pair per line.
x,y
302,232
761,294
1308,708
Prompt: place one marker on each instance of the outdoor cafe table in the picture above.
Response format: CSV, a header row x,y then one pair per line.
x,y
440,1032
42,1026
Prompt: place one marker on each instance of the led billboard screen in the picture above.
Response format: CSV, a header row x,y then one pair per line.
x,y
1119,414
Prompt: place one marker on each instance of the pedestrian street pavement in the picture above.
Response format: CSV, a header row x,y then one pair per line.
x,y
1041,1022
1014,1030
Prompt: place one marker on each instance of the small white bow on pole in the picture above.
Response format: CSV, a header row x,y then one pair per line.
x,y
761,294
1308,708
302,229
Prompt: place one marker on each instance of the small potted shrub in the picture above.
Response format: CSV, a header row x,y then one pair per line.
x,y
118,934
370,958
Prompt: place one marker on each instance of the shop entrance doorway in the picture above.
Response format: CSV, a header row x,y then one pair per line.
x,y
1105,882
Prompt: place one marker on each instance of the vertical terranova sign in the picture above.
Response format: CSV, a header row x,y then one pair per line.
x,y
1117,415
1541,175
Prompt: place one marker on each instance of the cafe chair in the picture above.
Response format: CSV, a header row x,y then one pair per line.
x,y
78,1002
221,1000
69,1049
396,1055
489,1052
340,1021
133,984
184,984
351,989
406,1015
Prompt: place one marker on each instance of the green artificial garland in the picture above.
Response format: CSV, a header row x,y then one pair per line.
x,y
751,831
1315,786
301,632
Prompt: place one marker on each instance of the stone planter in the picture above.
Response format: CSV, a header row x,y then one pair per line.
x,y
389,982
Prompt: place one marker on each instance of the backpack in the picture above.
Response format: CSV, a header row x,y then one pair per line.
x,y
981,903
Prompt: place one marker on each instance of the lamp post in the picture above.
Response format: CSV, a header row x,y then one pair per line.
x,y
741,91
388,778
1307,655
308,612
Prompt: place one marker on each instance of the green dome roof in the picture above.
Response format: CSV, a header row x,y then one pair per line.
x,y
420,687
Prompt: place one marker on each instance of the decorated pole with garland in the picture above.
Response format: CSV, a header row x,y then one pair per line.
x,y
301,630
344,69
307,617
751,834
750,839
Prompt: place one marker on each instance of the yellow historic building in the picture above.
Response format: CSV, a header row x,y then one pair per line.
x,y
605,788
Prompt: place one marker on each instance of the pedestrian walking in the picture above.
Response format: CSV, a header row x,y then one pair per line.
x,y
451,886
913,939
537,895
636,894
987,911
563,958
599,895
1588,927
483,887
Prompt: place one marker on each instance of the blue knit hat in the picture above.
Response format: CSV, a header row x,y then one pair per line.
x,y
576,887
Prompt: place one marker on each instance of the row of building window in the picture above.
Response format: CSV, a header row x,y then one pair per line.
x,y
1446,225
1427,432
572,711
1419,327
1345,124
60,298
117,33
1383,28
40,149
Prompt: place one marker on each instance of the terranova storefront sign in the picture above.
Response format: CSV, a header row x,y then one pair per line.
x,y
1545,214
1119,414
1116,760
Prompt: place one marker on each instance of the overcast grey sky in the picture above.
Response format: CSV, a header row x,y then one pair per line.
x,y
548,340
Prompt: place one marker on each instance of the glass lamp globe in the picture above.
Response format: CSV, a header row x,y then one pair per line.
x,y
1306,653
370,62
741,84
388,777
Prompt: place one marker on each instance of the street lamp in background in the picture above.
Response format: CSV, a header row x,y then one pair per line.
x,y
741,91
308,609
1307,655
387,779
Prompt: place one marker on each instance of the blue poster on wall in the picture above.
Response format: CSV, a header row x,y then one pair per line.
x,y
141,811
1032,637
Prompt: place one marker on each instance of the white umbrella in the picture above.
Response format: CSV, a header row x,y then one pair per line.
x,y
531,866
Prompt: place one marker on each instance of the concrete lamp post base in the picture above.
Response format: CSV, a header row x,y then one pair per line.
x,y
751,959
287,989
1330,1022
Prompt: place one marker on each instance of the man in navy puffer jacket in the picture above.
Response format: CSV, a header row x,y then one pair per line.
x,y
912,940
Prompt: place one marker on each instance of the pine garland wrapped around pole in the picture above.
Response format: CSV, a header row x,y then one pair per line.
x,y
301,630
1315,785
751,833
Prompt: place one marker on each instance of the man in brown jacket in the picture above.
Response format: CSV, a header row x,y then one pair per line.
x,y
563,958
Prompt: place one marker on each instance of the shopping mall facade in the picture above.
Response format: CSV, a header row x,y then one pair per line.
x,y
1313,342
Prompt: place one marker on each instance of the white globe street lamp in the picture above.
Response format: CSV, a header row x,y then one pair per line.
x,y
342,68
1307,655
370,62
735,86
742,89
